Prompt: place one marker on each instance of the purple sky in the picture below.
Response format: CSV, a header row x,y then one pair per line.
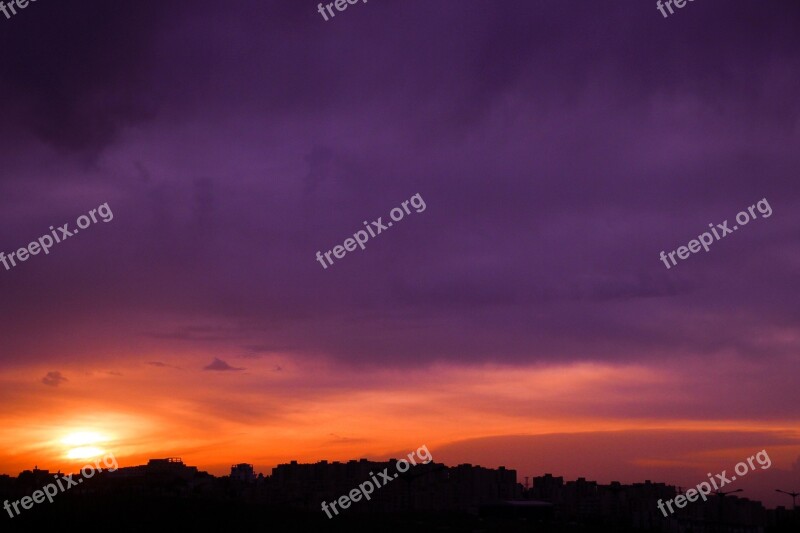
x,y
559,148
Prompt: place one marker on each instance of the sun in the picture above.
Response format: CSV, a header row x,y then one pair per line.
x,y
84,444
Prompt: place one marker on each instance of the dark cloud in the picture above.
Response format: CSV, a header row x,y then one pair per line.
x,y
674,456
64,88
54,379
559,148
220,365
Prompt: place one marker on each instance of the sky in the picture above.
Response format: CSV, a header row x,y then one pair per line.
x,y
522,318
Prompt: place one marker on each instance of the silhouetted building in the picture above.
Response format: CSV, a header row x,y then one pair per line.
x,y
423,487
243,472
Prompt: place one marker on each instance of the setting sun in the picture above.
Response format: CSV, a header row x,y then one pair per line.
x,y
83,444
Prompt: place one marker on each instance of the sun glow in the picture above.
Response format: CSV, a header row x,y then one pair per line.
x,y
84,452
84,444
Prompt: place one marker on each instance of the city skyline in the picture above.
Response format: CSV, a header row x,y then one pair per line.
x,y
757,487
423,491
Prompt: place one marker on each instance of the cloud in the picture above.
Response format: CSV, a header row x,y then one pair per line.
x,y
103,373
160,364
53,379
79,112
591,130
220,365
675,456
195,333
338,439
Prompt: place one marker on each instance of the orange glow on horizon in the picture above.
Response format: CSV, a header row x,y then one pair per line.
x,y
214,419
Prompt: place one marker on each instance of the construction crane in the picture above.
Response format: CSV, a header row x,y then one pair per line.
x,y
792,494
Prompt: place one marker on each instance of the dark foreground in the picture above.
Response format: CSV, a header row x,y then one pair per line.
x,y
137,513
